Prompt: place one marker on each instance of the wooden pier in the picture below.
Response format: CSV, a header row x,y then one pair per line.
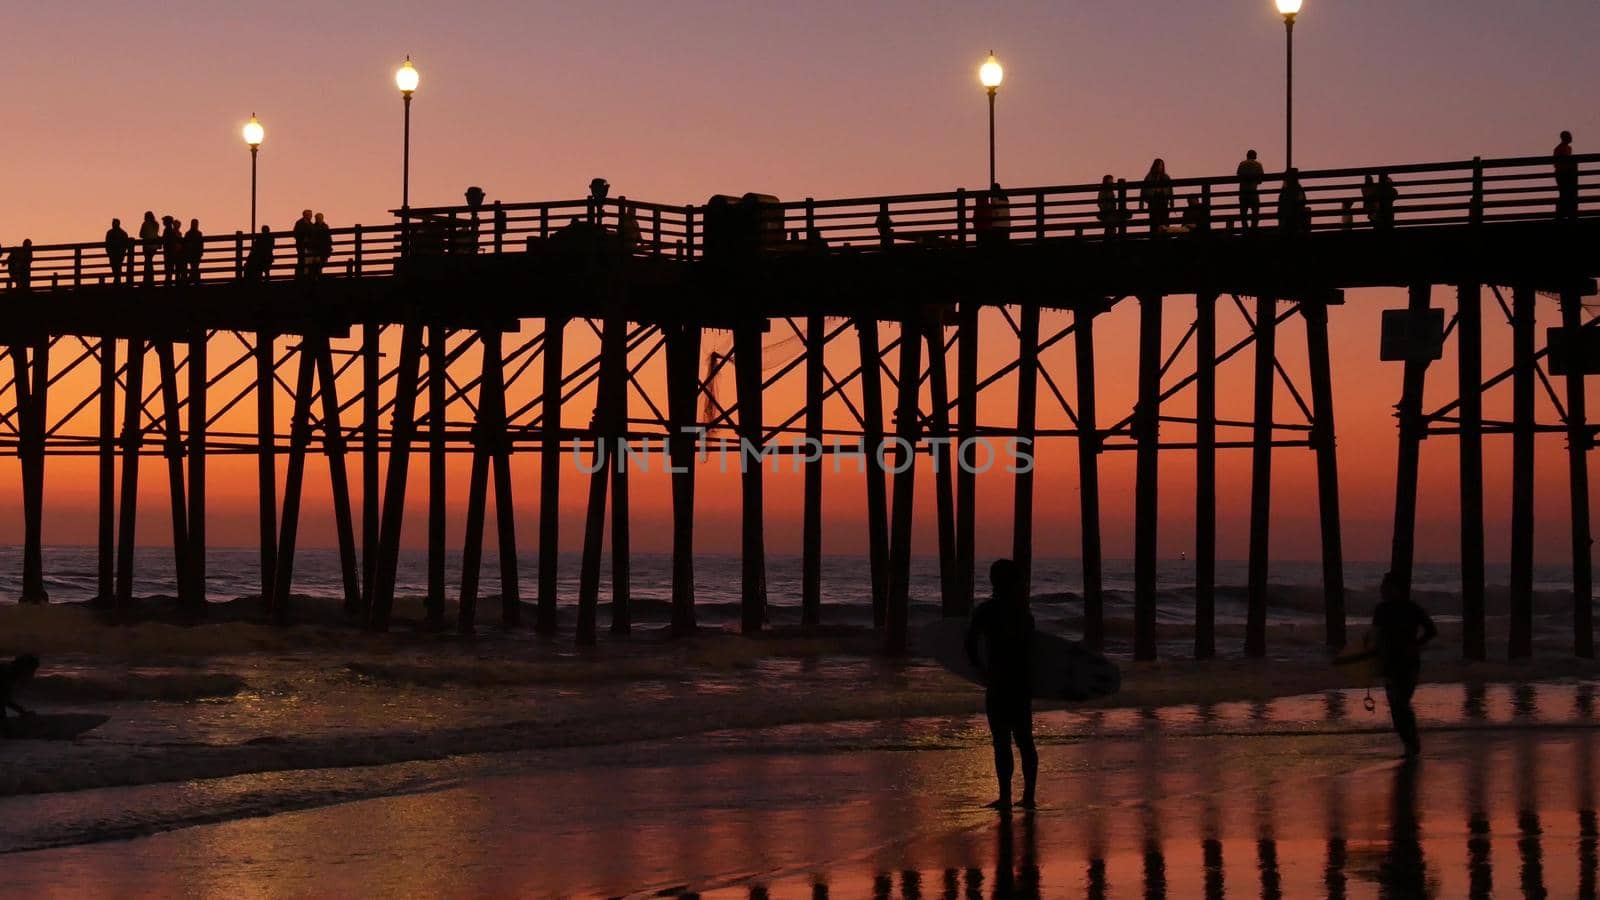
x,y
907,275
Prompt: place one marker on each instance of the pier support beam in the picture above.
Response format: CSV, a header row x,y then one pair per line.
x,y
401,433
266,459
371,506
604,431
32,423
437,422
1520,625
132,437
966,474
505,505
1469,357
333,447
1027,416
106,563
172,448
1412,430
1147,433
293,482
198,373
905,482
752,466
811,526
1579,440
1266,334
1089,474
877,489
1323,443
950,596
1205,478
683,397
555,328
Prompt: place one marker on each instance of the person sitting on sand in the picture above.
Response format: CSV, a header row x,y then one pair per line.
x,y
1401,627
12,676
1005,627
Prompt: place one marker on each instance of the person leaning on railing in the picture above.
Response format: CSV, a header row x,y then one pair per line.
x,y
258,266
19,265
1294,213
1566,179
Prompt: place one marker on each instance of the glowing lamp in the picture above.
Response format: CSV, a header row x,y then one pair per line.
x,y
990,73
253,132
406,77
1289,7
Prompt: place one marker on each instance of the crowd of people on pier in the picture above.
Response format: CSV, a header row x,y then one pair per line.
x,y
182,251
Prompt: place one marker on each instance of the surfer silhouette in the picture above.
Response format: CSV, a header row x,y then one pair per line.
x,y
1401,627
12,676
1003,626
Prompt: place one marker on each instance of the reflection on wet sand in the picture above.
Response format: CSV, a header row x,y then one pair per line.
x,y
1198,802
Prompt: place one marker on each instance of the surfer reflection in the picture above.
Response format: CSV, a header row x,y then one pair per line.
x,y
13,675
1004,626
1401,628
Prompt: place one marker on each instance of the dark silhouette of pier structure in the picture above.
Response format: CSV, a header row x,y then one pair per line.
x,y
650,278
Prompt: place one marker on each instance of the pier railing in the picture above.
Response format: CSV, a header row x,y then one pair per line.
x,y
1477,191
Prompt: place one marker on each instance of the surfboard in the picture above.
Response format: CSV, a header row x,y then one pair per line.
x,y
1062,669
1359,662
53,726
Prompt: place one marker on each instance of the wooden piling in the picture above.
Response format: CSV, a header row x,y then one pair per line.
x,y
1326,448
371,503
1147,434
966,475
132,437
1412,430
550,474
401,434
266,460
1089,474
683,395
950,603
1469,358
1266,335
877,490
505,507
621,613
438,335
31,424
106,563
907,431
477,501
1027,413
1579,440
293,481
811,527
198,373
334,448
1523,362
752,468
603,432
172,448
1205,479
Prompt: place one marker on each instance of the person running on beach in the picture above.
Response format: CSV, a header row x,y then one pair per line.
x,y
1250,174
12,676
1401,628
118,248
1003,626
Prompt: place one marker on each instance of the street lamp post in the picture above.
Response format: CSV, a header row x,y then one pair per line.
x,y
1289,9
253,133
406,78
990,75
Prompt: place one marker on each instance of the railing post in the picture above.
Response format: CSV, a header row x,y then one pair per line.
x,y
811,218
1205,203
961,215
688,231
544,222
77,267
499,235
655,231
1038,215
885,234
1476,214
1122,206
238,254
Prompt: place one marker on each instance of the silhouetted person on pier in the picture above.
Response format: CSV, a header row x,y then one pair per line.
x,y
1156,195
1385,196
302,243
149,239
1369,198
258,265
118,250
1294,213
1250,174
1566,179
171,249
1108,206
991,217
12,676
19,265
885,226
321,245
1401,628
1196,216
194,249
1002,627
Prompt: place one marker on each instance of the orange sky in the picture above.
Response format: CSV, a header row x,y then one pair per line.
x,y
677,102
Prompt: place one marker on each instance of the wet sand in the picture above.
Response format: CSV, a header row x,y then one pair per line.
x,y
1297,797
